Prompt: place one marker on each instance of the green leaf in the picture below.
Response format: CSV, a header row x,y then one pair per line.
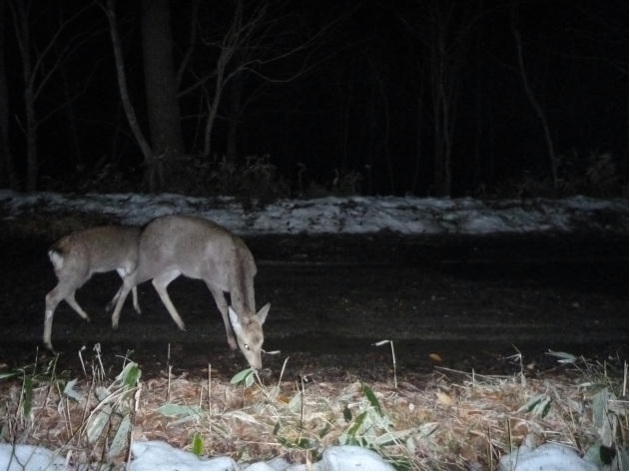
x,y
358,422
242,376
171,409
198,447
301,443
130,375
539,405
27,389
369,394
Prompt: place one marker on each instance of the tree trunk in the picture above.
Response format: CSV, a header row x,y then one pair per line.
x,y
236,93
7,166
147,152
32,166
553,160
161,93
73,128
441,104
213,106
441,80
23,36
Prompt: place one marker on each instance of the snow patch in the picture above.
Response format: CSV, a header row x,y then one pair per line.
x,y
352,215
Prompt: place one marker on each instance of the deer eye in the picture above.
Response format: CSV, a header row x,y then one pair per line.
x,y
246,346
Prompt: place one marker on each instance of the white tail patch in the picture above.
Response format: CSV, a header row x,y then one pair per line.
x,y
176,245
56,259
79,255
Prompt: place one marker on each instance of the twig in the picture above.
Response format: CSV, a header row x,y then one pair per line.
x,y
209,389
168,364
391,343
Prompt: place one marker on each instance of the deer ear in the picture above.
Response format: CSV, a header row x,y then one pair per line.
x,y
234,320
263,312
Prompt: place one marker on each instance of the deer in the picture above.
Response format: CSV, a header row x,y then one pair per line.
x,y
77,256
198,248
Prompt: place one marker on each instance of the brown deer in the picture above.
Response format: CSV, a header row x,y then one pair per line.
x,y
77,256
176,245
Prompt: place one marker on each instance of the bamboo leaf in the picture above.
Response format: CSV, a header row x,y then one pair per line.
x,y
97,424
130,375
563,357
539,405
369,394
27,389
531,404
8,375
70,392
241,377
358,422
119,442
198,447
295,404
170,409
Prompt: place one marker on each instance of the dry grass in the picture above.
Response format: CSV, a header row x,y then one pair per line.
x,y
447,420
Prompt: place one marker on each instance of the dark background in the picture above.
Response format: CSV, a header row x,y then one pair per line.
x,y
377,97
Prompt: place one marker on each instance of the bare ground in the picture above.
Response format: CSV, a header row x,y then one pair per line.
x,y
460,302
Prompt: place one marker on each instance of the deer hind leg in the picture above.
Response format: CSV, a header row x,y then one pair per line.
x,y
75,306
53,298
161,283
219,298
129,284
134,292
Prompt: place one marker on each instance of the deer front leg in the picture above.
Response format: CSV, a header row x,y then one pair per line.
x,y
134,291
161,283
219,298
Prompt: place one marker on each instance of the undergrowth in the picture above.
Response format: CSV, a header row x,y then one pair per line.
x,y
448,420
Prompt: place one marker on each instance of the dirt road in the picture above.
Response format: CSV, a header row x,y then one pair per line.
x,y
462,303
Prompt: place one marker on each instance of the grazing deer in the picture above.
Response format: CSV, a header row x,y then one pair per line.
x,y
77,256
176,245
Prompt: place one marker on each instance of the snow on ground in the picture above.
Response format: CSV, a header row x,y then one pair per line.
x,y
351,215
158,455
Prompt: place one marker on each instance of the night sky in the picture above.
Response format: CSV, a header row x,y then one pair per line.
x,y
378,92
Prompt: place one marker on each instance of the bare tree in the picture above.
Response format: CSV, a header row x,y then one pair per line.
x,y
531,96
37,69
444,27
251,42
233,118
147,153
7,166
160,85
239,34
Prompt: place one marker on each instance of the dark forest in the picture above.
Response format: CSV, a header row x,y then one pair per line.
x,y
285,98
